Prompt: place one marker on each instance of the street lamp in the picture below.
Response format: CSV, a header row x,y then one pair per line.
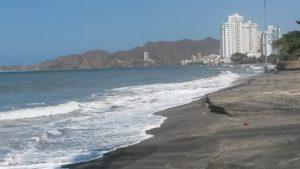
x,y
265,36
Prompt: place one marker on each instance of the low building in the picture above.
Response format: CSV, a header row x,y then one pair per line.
x,y
146,56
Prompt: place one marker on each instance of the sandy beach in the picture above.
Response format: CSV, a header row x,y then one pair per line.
x,y
254,125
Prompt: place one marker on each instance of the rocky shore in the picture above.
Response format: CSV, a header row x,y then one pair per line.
x,y
254,125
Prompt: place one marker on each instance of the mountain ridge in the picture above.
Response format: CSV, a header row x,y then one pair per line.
x,y
160,53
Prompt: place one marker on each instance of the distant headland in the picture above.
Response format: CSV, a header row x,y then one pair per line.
x,y
157,53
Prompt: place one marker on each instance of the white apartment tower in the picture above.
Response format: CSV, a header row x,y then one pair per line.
x,y
238,36
251,39
269,36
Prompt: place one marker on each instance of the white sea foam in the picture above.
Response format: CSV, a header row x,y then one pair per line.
x,y
116,119
40,111
54,132
256,67
128,95
35,104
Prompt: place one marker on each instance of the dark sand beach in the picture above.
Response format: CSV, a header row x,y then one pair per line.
x,y
255,125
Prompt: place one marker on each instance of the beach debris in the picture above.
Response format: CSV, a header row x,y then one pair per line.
x,y
245,124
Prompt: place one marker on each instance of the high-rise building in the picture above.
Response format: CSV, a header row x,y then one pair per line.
x,y
238,36
269,36
251,39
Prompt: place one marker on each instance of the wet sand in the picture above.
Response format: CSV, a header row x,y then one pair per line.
x,y
255,125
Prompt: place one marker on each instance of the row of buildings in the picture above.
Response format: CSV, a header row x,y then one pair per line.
x,y
211,59
240,36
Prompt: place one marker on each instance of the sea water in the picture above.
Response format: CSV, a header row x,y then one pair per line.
x,y
48,119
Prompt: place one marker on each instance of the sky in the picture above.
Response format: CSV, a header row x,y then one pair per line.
x,y
32,31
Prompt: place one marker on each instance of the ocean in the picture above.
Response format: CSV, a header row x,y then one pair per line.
x,y
52,118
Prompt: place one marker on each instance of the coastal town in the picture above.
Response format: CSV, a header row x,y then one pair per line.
x,y
239,36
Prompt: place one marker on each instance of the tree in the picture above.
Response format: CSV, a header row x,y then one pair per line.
x,y
289,45
273,58
239,58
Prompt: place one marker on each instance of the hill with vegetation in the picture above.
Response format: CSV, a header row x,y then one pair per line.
x,y
160,53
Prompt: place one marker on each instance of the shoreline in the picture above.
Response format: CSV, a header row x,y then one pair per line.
x,y
165,115
194,137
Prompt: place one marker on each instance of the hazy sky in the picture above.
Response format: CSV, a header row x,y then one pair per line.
x,y
32,31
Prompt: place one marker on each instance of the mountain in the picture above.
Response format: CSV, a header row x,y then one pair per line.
x,y
88,60
160,53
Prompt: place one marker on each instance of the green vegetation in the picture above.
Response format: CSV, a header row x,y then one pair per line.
x,y
289,45
273,58
239,58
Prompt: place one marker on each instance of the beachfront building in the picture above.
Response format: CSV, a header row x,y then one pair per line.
x,y
268,37
251,39
146,56
238,36
194,59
